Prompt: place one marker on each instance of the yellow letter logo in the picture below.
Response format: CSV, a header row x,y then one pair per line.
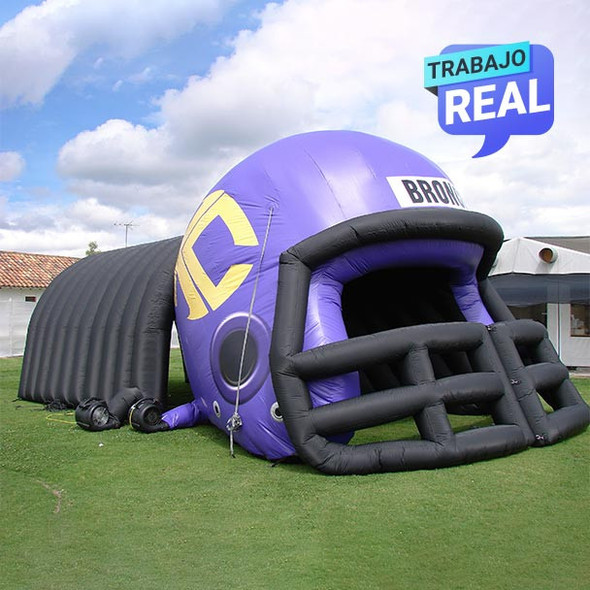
x,y
195,284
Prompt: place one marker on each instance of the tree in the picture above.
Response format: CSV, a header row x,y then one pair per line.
x,y
92,249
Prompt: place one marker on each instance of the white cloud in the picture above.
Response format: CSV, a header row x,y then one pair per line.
x,y
12,165
146,75
346,64
297,72
310,65
3,211
39,44
120,152
131,166
67,229
93,214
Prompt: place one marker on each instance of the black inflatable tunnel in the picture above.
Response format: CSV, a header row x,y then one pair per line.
x,y
102,330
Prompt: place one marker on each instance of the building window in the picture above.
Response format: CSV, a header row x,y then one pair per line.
x,y
536,312
30,299
580,320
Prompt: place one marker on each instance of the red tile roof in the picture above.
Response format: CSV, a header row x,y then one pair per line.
x,y
18,269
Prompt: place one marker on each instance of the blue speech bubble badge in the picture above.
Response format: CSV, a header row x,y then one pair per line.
x,y
508,102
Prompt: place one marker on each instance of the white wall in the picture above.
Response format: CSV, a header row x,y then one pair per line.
x,y
174,343
574,352
15,314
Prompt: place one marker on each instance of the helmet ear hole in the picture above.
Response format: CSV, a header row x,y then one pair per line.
x,y
275,412
226,348
230,355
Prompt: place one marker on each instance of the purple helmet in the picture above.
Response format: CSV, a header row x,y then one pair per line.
x,y
307,280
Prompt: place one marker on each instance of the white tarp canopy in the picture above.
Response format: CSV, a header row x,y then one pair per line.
x,y
529,271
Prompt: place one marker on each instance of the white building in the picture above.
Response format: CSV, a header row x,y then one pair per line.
x,y
548,279
23,278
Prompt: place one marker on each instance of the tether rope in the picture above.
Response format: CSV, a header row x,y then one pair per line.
x,y
235,422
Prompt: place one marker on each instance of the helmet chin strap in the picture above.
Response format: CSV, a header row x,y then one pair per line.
x,y
235,422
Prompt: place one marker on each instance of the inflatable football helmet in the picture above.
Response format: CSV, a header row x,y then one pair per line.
x,y
330,283
335,281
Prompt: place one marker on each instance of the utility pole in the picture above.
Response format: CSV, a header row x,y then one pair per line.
x,y
127,226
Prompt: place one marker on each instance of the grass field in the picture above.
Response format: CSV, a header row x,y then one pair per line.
x,y
120,509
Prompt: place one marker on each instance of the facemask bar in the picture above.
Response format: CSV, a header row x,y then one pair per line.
x,y
423,396
425,399
536,374
543,377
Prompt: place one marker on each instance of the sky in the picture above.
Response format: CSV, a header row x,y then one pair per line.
x,y
128,112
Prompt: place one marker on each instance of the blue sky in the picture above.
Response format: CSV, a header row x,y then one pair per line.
x,y
130,111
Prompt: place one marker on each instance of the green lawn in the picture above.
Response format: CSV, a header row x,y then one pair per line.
x,y
173,510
